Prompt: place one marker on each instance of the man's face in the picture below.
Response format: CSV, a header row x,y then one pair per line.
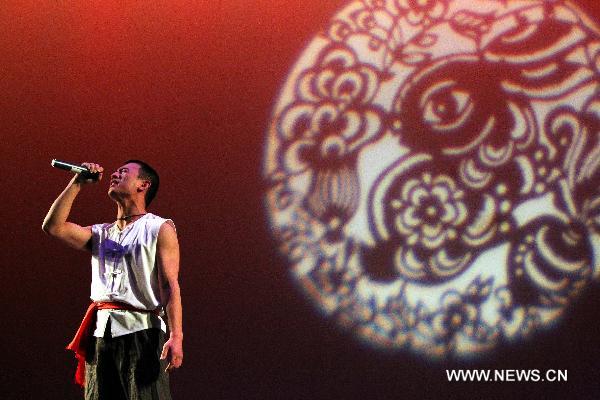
x,y
125,180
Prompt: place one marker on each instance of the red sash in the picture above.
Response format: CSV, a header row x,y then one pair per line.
x,y
79,342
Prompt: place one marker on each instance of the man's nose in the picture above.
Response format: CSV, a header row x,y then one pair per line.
x,y
114,175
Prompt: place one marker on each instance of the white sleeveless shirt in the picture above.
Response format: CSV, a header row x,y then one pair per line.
x,y
125,269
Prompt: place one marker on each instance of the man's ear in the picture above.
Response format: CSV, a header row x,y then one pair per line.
x,y
144,186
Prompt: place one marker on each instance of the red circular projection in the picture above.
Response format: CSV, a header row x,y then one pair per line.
x,y
433,170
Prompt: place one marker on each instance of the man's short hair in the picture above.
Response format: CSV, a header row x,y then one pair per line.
x,y
150,174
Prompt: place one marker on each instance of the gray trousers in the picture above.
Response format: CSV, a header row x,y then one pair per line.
x,y
127,367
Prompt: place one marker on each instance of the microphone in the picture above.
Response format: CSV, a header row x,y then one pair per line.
x,y
78,169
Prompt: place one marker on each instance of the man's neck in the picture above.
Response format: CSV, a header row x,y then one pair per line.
x,y
128,212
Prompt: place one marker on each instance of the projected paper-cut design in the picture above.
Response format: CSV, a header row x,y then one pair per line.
x,y
433,170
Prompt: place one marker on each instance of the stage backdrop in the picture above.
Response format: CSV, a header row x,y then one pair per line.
x,y
198,89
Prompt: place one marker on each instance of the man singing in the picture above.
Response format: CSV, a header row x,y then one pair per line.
x,y
121,344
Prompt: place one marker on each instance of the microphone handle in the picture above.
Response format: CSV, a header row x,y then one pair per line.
x,y
89,175
77,169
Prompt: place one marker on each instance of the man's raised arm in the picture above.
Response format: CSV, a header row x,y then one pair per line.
x,y
56,224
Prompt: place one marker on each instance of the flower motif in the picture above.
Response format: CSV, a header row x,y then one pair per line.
x,y
333,116
422,11
330,136
338,77
299,241
455,315
429,211
478,290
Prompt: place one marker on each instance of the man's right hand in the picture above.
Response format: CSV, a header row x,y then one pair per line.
x,y
94,168
56,224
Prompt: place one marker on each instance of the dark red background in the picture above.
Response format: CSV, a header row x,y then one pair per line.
x,y
189,87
